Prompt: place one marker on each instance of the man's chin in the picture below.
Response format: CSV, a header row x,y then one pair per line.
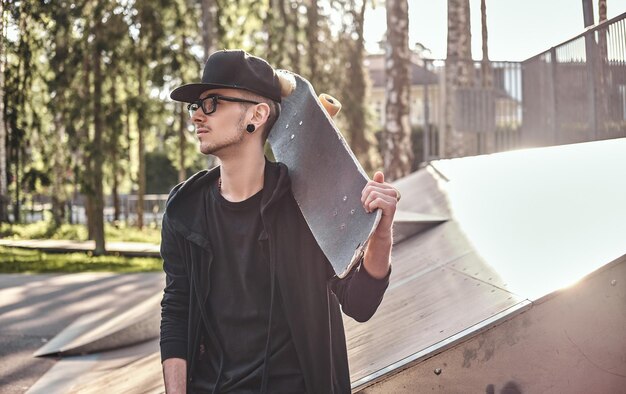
x,y
208,150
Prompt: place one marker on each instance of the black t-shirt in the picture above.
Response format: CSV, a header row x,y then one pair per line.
x,y
238,307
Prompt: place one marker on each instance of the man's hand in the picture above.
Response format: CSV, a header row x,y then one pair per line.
x,y
380,195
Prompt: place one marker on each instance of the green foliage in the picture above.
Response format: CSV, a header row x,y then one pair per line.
x,y
122,233
15,260
37,230
45,229
70,231
160,173
56,103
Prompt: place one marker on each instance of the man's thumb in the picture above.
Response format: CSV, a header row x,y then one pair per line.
x,y
379,177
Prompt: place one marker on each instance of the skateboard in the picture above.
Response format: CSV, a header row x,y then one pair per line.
x,y
326,177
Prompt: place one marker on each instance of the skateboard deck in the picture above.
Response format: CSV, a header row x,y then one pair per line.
x,y
326,177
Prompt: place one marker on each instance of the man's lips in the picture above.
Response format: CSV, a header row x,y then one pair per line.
x,y
201,130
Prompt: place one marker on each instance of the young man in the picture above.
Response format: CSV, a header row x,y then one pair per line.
x,y
251,303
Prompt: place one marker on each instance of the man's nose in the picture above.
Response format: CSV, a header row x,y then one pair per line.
x,y
198,116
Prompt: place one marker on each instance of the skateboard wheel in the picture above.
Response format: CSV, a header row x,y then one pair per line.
x,y
330,104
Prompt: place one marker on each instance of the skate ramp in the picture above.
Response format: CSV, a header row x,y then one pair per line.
x,y
517,282
522,227
131,369
107,329
569,342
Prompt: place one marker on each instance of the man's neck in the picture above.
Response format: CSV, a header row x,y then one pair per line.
x,y
242,176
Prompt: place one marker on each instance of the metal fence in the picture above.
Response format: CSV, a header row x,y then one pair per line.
x,y
490,109
576,91
573,92
153,208
487,109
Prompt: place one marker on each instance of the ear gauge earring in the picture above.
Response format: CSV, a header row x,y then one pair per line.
x,y
250,128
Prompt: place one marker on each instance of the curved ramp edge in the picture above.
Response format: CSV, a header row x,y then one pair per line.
x,y
105,330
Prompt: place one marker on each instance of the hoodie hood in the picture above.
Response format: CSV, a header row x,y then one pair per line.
x,y
186,204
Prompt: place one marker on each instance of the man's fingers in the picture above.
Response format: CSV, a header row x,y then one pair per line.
x,y
379,188
378,185
369,205
386,204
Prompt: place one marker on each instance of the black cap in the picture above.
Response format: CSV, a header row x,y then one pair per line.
x,y
235,69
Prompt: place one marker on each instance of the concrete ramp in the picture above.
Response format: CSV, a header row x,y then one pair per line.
x,y
107,329
132,369
571,342
407,224
523,227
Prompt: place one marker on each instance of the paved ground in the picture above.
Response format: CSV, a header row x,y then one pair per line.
x,y
138,249
34,308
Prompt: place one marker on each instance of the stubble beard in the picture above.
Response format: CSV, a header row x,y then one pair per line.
x,y
214,148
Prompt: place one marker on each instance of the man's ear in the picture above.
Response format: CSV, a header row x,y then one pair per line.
x,y
260,115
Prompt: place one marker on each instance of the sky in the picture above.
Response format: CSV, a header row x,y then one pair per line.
x,y
517,29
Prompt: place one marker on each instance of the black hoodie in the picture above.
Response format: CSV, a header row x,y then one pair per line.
x,y
311,291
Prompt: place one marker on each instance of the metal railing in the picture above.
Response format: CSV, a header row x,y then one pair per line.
x,y
573,92
576,91
487,108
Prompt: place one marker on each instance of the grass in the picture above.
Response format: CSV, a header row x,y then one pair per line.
x,y
77,232
16,260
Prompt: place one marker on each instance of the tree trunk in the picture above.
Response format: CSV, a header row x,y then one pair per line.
x,y
114,145
18,203
487,77
87,168
459,74
182,127
276,25
601,11
270,28
355,109
210,39
182,130
141,173
602,33
466,40
603,87
90,215
128,111
97,154
115,188
58,192
4,190
312,34
397,152
488,133
59,155
291,35
209,30
459,49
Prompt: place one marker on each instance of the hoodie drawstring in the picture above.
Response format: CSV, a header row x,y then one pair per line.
x,y
266,358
